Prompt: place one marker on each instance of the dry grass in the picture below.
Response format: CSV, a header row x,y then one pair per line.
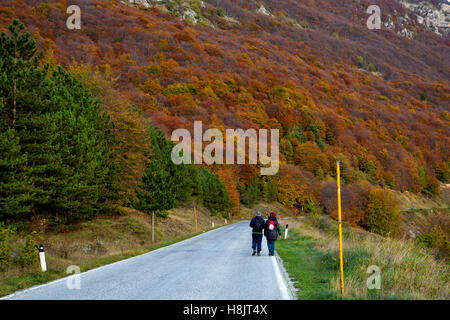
x,y
407,271
101,241
409,199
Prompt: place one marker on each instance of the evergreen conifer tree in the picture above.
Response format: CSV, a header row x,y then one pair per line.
x,y
164,184
58,135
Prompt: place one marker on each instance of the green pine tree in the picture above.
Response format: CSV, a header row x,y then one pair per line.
x,y
270,191
15,196
62,133
214,196
252,193
164,185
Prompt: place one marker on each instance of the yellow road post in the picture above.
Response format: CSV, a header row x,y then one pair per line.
x,y
341,259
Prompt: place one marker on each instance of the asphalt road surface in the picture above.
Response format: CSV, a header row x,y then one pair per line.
x,y
214,265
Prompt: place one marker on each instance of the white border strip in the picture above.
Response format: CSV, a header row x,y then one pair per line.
x,y
281,283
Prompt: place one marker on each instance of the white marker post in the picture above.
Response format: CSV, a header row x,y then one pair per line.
x,y
42,257
286,232
212,224
226,222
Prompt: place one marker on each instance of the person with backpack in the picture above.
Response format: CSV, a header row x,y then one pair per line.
x,y
271,232
257,225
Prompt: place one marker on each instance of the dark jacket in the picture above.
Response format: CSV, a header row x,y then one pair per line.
x,y
257,223
272,234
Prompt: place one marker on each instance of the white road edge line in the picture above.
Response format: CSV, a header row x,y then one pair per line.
x,y
281,284
65,278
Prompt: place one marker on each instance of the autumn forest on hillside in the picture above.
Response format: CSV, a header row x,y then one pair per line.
x,y
374,100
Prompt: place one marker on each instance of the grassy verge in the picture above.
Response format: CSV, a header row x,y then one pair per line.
x,y
16,278
407,270
303,262
29,279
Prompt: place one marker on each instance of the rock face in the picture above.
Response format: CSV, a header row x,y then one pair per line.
x,y
187,10
419,15
264,11
433,15
189,15
192,10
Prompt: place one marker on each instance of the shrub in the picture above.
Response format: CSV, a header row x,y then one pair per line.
x,y
212,49
383,213
434,234
314,213
5,253
180,88
442,171
431,186
220,12
43,10
28,255
360,62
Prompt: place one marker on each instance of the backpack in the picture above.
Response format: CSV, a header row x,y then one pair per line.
x,y
271,225
259,225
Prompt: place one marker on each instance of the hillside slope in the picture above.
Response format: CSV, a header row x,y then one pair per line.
x,y
251,68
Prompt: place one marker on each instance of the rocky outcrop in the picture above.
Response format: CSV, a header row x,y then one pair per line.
x,y
434,17
264,11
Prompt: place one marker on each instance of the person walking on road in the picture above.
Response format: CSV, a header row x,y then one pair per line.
x,y
257,225
271,232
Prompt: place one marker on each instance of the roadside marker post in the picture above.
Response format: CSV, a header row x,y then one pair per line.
x,y
42,257
226,222
341,259
286,232
212,224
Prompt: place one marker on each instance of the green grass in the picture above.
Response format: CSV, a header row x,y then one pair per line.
x,y
307,267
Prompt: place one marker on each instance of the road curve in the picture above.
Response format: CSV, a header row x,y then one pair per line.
x,y
215,265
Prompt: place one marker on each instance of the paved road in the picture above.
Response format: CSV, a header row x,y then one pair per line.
x,y
214,265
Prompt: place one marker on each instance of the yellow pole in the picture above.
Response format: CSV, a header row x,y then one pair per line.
x,y
195,216
341,259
